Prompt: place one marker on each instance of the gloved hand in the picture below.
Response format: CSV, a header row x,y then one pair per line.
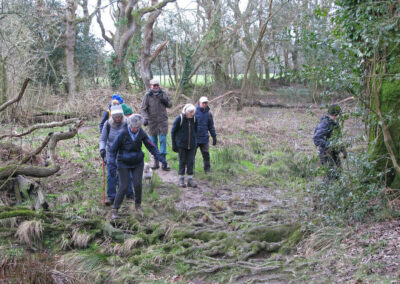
x,y
103,154
174,148
214,140
145,122
164,99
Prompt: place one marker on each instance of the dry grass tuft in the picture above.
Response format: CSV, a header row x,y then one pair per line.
x,y
80,239
30,232
322,240
127,246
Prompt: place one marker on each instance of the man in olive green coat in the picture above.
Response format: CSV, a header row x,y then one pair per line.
x,y
154,110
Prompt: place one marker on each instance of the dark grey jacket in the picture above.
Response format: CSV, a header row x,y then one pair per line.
x,y
154,109
323,132
109,133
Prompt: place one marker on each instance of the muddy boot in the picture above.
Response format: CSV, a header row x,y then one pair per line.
x,y
191,182
138,207
181,182
165,167
114,214
130,198
109,201
154,164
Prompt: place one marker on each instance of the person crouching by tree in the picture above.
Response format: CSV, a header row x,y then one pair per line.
x,y
327,136
205,124
126,155
183,136
110,131
115,100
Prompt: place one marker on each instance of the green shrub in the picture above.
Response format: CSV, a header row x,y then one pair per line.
x,y
358,194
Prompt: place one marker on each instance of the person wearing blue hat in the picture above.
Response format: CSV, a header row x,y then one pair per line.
x,y
115,100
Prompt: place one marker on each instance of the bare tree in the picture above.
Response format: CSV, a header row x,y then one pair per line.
x,y
146,58
130,15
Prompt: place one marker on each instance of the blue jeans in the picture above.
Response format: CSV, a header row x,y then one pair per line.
x,y
163,143
112,183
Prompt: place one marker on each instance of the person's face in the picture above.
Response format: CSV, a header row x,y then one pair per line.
x,y
203,104
117,118
189,114
155,87
135,129
334,117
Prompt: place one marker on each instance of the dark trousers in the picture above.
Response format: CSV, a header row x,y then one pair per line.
x,y
186,161
331,160
125,176
205,152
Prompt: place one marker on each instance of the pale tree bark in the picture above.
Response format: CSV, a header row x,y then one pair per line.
x,y
70,40
131,16
3,80
146,58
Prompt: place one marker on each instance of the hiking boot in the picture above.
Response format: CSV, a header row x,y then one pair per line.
x,y
114,214
130,198
191,183
138,207
181,182
109,201
166,167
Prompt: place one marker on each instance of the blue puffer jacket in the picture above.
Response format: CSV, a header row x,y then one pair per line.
x,y
205,124
323,132
183,133
127,153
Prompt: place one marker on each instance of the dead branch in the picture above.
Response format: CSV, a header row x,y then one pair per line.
x,y
62,136
270,105
224,95
40,126
27,170
18,98
345,100
37,150
15,169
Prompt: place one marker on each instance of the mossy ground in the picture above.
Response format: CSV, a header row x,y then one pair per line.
x,y
242,224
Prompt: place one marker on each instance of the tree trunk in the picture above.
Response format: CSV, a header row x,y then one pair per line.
x,y
385,133
3,81
70,40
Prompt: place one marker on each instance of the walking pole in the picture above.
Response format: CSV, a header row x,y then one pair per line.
x,y
104,186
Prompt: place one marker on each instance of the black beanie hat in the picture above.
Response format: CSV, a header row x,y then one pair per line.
x,y
334,110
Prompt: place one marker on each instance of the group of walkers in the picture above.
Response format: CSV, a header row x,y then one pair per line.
x,y
122,136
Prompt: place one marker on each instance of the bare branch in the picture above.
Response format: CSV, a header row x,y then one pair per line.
x,y
159,48
40,126
37,150
100,22
150,9
62,136
18,98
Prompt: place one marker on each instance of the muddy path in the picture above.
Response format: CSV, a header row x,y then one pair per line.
x,y
242,201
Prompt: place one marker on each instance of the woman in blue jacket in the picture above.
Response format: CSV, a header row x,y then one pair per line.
x,y
126,155
183,136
